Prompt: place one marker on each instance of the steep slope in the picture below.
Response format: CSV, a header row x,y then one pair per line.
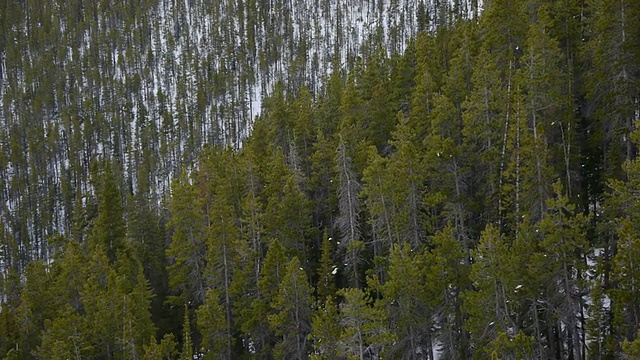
x,y
149,83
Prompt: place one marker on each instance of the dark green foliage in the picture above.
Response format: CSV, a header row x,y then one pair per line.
x,y
316,179
187,344
109,230
364,325
291,317
325,331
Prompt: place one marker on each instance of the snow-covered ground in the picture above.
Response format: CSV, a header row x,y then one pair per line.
x,y
197,67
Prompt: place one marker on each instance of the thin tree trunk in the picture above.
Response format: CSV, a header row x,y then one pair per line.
x,y
226,291
504,146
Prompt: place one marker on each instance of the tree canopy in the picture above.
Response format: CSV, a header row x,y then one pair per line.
x,y
249,179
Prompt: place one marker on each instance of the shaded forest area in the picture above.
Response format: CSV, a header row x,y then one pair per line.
x,y
470,189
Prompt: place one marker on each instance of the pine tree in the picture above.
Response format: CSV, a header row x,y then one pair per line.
x,y
325,331
364,330
70,274
287,212
329,104
279,119
303,128
352,121
38,304
348,221
483,124
187,344
378,200
212,324
564,243
488,304
446,270
254,326
624,275
223,238
632,349
137,324
444,162
377,108
612,55
164,350
547,101
402,78
326,271
292,307
406,303
526,174
78,221
504,24
102,304
322,187
109,229
426,84
186,252
406,168
65,337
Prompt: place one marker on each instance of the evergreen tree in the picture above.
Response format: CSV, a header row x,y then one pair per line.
x,y
117,305
626,305
164,350
377,108
65,337
137,324
187,343
329,104
254,326
504,29
624,277
483,121
488,305
547,101
563,244
612,55
364,330
38,305
102,304
631,349
402,78
352,121
109,229
223,236
303,130
426,84
526,174
279,119
291,321
187,250
405,165
144,167
322,187
287,214
147,241
405,300
348,221
326,271
378,199
325,331
212,323
446,270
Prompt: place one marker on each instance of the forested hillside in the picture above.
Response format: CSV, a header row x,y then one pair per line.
x,y
327,179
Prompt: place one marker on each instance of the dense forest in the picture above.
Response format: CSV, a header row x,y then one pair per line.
x,y
405,179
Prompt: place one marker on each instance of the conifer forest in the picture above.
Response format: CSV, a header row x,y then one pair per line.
x,y
320,179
